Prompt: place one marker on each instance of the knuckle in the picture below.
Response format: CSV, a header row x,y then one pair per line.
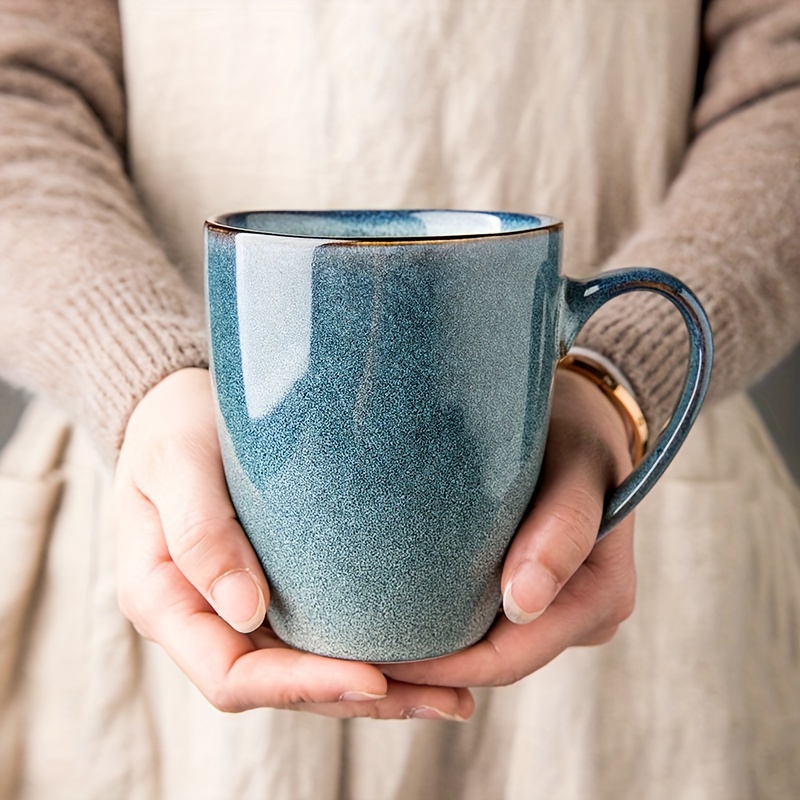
x,y
503,671
576,534
293,698
506,677
221,701
602,636
132,613
624,607
193,544
166,456
142,601
624,601
578,521
380,710
179,445
143,630
224,700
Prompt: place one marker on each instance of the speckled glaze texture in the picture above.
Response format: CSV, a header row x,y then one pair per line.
x,y
581,300
383,382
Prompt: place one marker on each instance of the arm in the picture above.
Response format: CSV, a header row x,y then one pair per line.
x,y
729,224
93,312
729,228
96,317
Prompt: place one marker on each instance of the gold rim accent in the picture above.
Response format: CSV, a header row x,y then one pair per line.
x,y
217,223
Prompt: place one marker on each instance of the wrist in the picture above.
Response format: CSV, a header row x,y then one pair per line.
x,y
613,384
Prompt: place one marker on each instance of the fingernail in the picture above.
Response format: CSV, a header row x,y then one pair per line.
x,y
360,697
528,593
429,712
238,599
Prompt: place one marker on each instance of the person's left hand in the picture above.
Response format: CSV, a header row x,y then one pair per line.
x,y
189,579
559,589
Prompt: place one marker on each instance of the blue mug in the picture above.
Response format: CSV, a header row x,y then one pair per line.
x,y
383,382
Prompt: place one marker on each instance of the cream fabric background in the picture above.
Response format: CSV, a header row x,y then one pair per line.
x,y
573,107
576,108
694,699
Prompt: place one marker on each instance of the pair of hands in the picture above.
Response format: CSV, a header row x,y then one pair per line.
x,y
189,579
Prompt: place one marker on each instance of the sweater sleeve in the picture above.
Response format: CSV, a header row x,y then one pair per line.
x,y
729,226
92,314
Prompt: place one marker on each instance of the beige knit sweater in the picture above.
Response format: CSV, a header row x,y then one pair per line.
x,y
93,313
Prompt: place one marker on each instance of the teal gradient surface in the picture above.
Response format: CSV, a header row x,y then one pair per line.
x,y
383,382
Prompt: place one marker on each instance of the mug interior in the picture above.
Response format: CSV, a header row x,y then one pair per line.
x,y
383,225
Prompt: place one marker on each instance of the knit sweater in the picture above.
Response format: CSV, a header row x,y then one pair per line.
x,y
94,313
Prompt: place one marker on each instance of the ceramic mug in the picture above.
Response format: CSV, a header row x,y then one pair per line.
x,y
383,381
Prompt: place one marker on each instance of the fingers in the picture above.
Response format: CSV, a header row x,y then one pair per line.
x,y
585,458
592,604
173,459
205,540
548,549
236,672
235,675
233,671
182,557
404,701
560,589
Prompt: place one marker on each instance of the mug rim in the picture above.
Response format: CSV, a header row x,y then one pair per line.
x,y
549,223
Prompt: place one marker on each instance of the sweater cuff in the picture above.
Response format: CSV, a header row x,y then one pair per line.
x,y
643,335
148,336
121,341
112,328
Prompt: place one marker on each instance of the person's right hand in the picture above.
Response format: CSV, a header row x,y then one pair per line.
x,y
189,579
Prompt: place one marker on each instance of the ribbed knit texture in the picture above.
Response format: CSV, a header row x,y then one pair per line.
x,y
93,313
730,225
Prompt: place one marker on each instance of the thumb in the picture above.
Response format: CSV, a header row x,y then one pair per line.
x,y
172,446
586,455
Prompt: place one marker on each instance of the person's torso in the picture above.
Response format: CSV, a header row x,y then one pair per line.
x,y
576,108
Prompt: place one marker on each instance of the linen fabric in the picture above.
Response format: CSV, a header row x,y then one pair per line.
x,y
696,698
582,109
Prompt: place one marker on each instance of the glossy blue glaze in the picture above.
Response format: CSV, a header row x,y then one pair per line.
x,y
383,381
581,300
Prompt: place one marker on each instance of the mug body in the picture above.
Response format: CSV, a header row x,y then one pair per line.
x,y
383,383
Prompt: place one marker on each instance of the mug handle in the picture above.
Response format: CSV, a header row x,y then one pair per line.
x,y
581,300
